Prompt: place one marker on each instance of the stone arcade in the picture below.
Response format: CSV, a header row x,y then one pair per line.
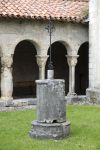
x,y
24,46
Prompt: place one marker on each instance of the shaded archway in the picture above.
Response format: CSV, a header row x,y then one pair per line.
x,y
82,72
25,70
61,69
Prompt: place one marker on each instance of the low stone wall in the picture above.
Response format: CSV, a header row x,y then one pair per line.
x,y
19,104
81,100
29,103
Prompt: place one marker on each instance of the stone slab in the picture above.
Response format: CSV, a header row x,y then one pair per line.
x,y
51,105
50,131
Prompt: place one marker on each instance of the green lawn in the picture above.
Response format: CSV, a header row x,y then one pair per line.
x,y
85,130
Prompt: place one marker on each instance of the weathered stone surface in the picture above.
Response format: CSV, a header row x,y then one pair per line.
x,y
6,103
93,96
79,100
51,110
18,102
50,131
51,101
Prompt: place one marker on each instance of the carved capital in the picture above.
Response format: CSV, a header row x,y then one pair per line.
x,y
7,61
41,60
72,60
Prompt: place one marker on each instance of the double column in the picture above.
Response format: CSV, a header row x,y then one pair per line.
x,y
41,61
72,61
6,77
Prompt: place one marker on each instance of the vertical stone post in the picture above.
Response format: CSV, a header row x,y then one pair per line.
x,y
6,77
93,92
41,61
72,61
51,110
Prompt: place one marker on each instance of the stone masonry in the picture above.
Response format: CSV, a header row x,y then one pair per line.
x,y
13,31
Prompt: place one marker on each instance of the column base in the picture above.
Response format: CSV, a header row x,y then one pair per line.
x,y
93,95
49,131
72,94
6,98
71,98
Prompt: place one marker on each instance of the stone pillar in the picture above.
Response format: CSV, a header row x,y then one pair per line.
x,y
93,92
51,110
6,77
41,61
72,61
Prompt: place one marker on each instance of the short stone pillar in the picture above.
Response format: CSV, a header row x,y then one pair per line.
x,y
51,110
41,61
72,61
6,78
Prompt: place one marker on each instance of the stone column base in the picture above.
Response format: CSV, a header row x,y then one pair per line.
x,y
6,98
93,95
71,98
50,131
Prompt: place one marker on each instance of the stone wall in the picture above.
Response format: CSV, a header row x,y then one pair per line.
x,y
12,32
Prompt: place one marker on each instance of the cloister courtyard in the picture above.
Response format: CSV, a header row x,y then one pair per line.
x,y
62,111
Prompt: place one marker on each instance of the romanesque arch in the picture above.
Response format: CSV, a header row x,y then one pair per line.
x,y
25,70
82,72
59,59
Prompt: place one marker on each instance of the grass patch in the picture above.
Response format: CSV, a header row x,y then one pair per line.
x,y
85,130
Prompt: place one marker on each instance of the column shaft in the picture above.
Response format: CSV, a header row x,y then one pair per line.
x,y
72,61
41,61
6,78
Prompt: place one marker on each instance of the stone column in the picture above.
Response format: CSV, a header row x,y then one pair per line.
x,y
41,61
51,120
72,61
93,92
6,77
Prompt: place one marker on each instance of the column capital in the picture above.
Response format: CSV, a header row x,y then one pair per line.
x,y
6,61
72,59
41,60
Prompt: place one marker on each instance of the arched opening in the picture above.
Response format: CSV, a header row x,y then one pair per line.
x,y
61,69
25,70
82,72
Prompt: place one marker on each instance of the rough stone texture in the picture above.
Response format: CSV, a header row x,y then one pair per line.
x,y
7,109
93,96
78,100
54,131
18,102
51,110
51,101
